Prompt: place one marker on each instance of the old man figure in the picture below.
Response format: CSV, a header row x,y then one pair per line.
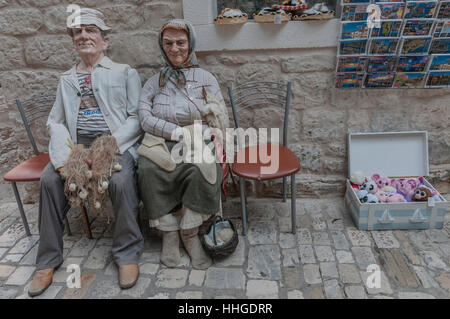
x,y
96,97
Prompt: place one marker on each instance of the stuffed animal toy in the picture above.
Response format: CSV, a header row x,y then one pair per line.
x,y
370,186
365,197
87,172
383,183
357,179
382,196
395,198
422,194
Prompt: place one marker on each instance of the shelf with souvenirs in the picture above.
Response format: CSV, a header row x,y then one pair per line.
x,y
407,47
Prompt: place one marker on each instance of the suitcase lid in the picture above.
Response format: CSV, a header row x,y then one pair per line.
x,y
392,154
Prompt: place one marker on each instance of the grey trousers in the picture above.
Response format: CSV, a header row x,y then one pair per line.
x,y
128,241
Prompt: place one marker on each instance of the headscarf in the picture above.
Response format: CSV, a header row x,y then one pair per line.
x,y
169,71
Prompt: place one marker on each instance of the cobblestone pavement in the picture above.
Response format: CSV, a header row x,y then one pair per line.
x,y
327,258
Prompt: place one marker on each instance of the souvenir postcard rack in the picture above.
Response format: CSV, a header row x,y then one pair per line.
x,y
409,47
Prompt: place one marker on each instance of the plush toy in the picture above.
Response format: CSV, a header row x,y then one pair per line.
x,y
422,194
382,196
357,179
383,183
366,197
370,186
395,197
88,170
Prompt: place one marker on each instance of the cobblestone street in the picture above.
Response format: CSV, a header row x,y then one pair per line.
x,y
327,258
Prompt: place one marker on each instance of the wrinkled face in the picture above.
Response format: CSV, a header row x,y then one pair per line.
x,y
176,46
88,40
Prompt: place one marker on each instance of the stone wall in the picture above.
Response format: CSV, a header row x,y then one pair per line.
x,y
34,49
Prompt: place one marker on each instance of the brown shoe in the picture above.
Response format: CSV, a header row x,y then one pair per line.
x,y
128,275
41,280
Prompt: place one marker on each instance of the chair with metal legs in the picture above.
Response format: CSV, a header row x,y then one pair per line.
x,y
31,169
249,162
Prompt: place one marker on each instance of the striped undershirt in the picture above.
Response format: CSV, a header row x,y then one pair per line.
x,y
90,118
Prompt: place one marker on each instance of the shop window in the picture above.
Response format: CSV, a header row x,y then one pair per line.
x,y
252,6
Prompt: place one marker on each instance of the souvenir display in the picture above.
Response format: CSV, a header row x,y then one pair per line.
x,y
319,11
231,16
270,15
408,47
384,193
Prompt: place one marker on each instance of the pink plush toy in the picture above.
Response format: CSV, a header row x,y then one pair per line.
x,y
382,196
407,187
395,198
383,183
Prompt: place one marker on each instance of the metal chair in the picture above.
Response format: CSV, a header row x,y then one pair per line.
x,y
31,170
248,163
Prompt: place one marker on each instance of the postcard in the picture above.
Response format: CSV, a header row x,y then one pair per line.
x,y
354,30
354,12
415,63
416,45
381,80
445,30
392,10
417,27
381,64
438,28
440,63
384,46
351,64
387,29
352,47
349,80
409,79
440,46
444,11
438,79
420,9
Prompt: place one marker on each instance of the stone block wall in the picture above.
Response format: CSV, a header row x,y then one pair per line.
x,y
35,49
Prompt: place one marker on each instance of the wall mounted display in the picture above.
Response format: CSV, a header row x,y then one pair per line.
x,y
408,47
